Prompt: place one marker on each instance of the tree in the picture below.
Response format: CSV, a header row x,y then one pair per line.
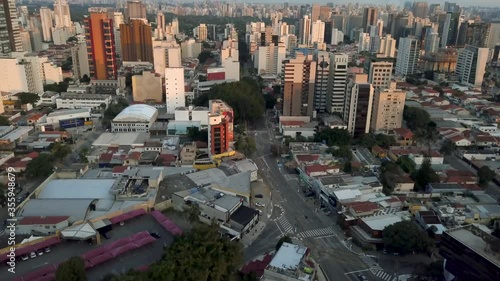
x,y
71,270
60,150
204,56
195,134
42,166
270,100
425,175
28,98
385,141
245,144
83,154
193,213
243,96
333,137
201,255
416,118
405,237
282,240
406,164
60,87
347,167
113,110
4,121
485,175
429,74
85,79
448,147
343,152
429,272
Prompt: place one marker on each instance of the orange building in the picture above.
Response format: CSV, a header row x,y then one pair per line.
x,y
218,134
100,46
136,40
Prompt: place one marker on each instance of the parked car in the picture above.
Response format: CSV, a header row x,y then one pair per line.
x,y
40,252
260,204
362,277
155,235
47,250
259,196
24,257
106,235
32,255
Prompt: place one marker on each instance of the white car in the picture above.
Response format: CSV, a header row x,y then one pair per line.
x,y
24,257
32,255
260,204
47,250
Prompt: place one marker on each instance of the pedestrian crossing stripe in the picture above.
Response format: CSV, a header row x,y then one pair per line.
x,y
384,275
317,232
285,225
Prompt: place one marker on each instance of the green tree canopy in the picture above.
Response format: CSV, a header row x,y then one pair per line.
x,y
28,98
85,78
60,150
71,270
4,121
448,147
343,152
42,166
347,167
333,137
199,255
282,240
405,237
425,175
416,118
204,56
60,87
406,164
245,144
243,96
113,110
485,175
195,134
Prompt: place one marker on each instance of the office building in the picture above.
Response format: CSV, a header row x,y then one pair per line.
x,y
370,17
147,87
10,37
46,21
317,32
320,102
431,42
201,32
218,130
358,105
470,253
222,108
408,55
101,53
80,59
471,64
298,85
380,74
268,59
160,26
475,34
136,41
315,12
337,82
325,13
305,30
387,47
450,29
190,48
166,54
388,106
174,88
26,41
340,22
62,15
494,39
135,10
76,100
364,42
420,9
337,37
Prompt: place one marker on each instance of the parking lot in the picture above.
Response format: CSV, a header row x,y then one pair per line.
x,y
131,260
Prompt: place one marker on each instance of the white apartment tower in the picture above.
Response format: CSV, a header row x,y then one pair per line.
x,y
160,26
166,54
46,21
305,30
408,55
268,59
174,88
387,47
317,32
62,14
364,42
337,82
471,64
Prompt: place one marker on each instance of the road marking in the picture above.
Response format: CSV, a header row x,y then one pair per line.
x,y
357,271
384,275
318,232
327,236
285,224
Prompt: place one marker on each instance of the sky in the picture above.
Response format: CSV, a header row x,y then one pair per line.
x,y
486,3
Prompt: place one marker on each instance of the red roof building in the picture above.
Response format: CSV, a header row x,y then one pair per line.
x,y
42,220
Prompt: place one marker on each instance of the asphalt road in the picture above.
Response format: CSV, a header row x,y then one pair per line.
x,y
300,218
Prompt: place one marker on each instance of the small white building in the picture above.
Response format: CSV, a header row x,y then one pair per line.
x,y
56,116
191,113
74,100
135,118
41,225
49,98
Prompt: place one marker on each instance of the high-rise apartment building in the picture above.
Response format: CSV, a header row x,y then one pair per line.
x,y
80,59
315,12
100,40
420,9
222,108
470,253
46,20
320,103
190,48
364,42
174,88
387,47
298,85
62,15
471,64
388,106
268,59
408,55
317,32
10,38
449,33
431,42
476,34
380,74
202,32
218,131
337,82
135,10
166,54
370,17
358,105
305,30
136,41
160,26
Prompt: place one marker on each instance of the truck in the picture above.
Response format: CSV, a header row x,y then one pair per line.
x,y
204,163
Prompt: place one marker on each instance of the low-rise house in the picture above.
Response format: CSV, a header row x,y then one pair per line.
x,y
400,184
41,225
321,170
368,231
290,264
404,137
361,209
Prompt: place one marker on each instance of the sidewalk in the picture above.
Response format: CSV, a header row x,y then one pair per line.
x,y
248,239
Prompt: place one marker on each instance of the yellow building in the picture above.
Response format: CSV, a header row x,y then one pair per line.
x,y
388,106
147,87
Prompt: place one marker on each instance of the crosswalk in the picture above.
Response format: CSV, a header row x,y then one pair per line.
x,y
285,225
317,232
383,275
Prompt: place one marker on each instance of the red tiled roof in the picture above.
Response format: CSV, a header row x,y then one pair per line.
x,y
460,179
32,155
431,91
471,186
307,157
105,157
292,123
136,155
362,207
167,157
450,173
42,220
486,139
405,133
316,168
119,169
378,149
457,138
393,199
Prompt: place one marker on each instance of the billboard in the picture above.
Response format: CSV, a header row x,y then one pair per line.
x,y
72,123
229,117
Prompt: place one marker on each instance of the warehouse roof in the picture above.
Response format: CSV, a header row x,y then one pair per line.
x,y
137,112
78,189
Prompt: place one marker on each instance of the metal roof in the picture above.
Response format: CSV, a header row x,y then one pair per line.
x,y
137,112
78,189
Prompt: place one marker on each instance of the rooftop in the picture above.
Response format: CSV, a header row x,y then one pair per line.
x,y
137,112
17,133
288,256
118,139
84,96
479,241
381,222
78,189
68,112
